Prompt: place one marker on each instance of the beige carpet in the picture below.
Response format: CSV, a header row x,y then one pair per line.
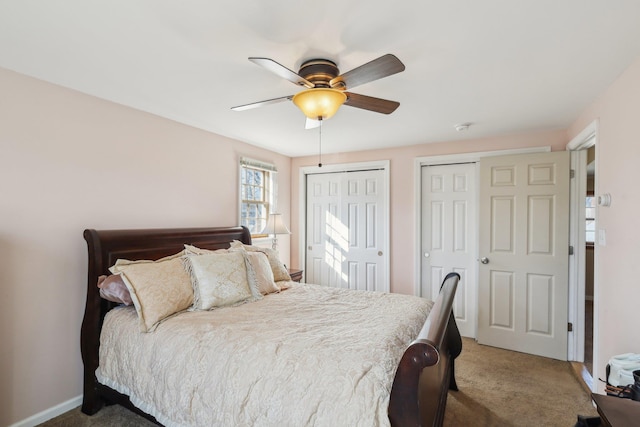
x,y
506,388
497,388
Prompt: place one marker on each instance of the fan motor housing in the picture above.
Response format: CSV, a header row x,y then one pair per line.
x,y
319,71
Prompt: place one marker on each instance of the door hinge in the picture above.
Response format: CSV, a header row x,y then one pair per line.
x,y
572,173
570,327
570,250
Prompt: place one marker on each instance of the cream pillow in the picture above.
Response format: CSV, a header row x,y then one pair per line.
x,y
277,267
194,250
120,263
284,284
219,279
259,271
158,289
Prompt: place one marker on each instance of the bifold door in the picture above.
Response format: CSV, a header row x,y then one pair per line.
x,y
346,238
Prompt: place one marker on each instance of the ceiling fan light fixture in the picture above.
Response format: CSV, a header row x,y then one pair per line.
x,y
319,102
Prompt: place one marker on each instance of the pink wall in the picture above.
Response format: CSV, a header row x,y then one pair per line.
x,y
618,173
69,161
402,191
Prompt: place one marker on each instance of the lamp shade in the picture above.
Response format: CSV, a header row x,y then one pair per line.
x,y
319,102
275,225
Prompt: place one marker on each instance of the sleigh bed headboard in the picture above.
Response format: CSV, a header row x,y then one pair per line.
x,y
106,246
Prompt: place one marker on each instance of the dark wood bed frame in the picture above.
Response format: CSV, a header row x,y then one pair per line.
x,y
423,377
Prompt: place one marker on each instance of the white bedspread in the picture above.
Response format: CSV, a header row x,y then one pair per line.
x,y
311,355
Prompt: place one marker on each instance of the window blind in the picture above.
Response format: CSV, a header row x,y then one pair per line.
x,y
257,164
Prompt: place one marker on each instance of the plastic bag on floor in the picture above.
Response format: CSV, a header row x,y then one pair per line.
x,y
620,369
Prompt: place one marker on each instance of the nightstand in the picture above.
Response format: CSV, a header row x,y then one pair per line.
x,y
615,411
296,275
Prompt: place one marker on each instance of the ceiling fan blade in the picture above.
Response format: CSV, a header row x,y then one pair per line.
x,y
370,103
282,71
311,124
384,66
261,103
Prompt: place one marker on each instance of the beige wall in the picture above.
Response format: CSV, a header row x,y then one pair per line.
x,y
618,173
402,192
69,162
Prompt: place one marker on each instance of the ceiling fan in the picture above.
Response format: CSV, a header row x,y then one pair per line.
x,y
327,89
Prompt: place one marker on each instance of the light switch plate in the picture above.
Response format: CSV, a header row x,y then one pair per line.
x,y
602,237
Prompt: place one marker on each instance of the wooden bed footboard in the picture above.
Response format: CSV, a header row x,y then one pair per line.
x,y
426,371
423,377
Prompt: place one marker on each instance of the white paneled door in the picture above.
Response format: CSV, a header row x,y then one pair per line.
x,y
523,251
449,237
346,222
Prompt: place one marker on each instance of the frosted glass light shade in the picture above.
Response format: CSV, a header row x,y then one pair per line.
x,y
319,102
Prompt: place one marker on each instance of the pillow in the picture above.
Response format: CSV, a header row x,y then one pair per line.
x,y
194,250
219,279
284,284
158,289
277,267
120,263
113,288
259,271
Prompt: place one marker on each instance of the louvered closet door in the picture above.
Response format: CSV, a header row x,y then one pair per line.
x,y
346,218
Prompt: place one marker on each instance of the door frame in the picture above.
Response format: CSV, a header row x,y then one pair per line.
x,y
447,160
587,138
346,167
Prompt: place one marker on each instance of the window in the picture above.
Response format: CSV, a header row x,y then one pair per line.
x,y
590,217
256,194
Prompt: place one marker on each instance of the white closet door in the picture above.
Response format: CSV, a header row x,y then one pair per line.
x,y
346,242
449,237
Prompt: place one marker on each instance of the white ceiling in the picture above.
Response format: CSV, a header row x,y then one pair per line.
x,y
507,66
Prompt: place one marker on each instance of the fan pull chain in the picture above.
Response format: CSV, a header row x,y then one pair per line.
x,y
320,143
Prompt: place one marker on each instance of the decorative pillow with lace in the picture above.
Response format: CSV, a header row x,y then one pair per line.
x,y
277,267
219,279
259,271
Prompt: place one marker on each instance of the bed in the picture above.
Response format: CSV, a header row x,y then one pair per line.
x,y
405,378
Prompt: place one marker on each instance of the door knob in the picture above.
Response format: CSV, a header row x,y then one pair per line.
x,y
427,254
484,260
379,253
310,248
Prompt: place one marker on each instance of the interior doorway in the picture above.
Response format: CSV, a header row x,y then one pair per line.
x,y
583,283
590,237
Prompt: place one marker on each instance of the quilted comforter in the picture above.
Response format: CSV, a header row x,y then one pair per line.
x,y
311,355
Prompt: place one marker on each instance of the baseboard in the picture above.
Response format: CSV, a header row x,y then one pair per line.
x,y
584,377
47,414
